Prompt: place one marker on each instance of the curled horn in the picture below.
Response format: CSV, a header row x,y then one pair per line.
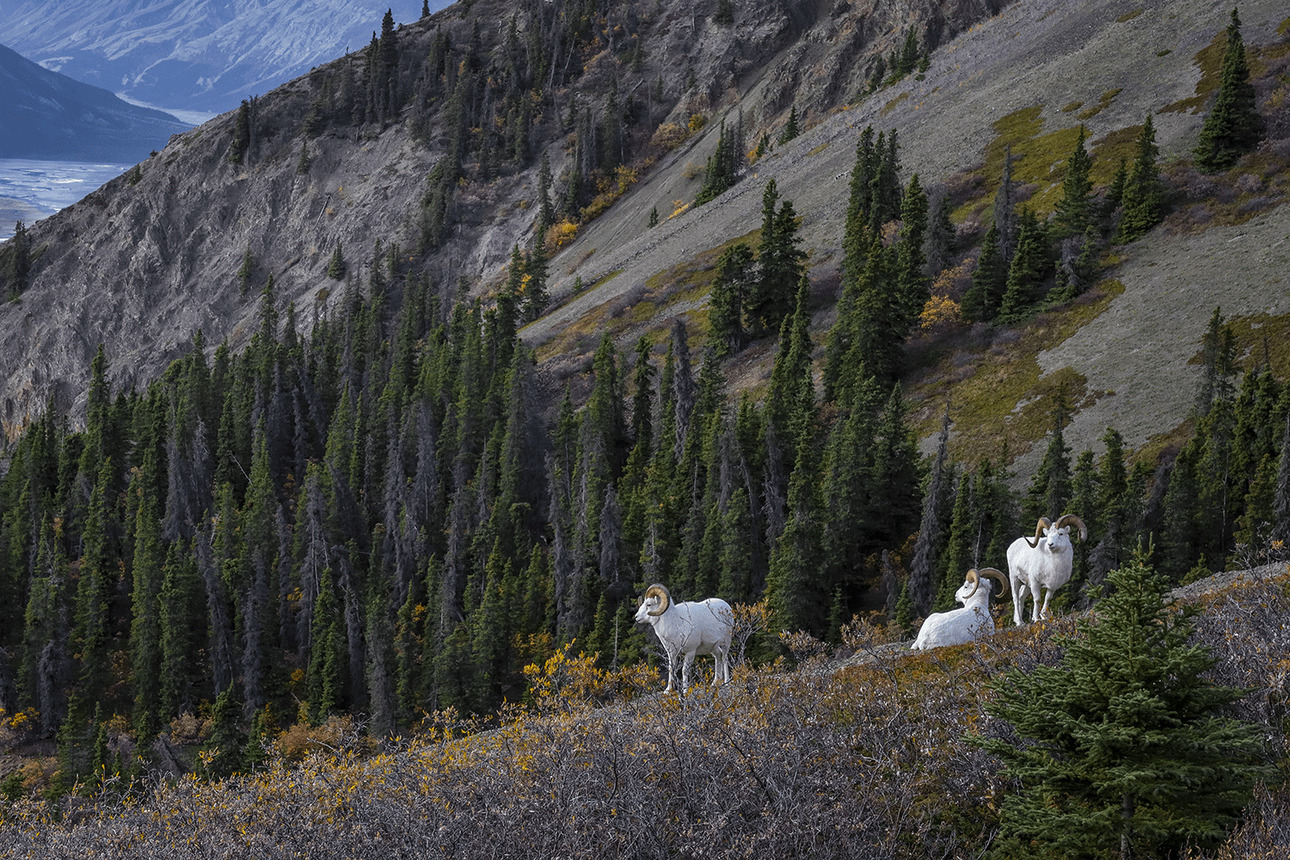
x,y
1067,519
663,595
975,580
992,573
1039,532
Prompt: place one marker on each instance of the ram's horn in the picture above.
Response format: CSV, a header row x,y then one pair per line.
x,y
975,580
992,573
664,598
1067,519
1039,532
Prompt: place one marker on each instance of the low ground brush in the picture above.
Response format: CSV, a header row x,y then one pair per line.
x,y
863,760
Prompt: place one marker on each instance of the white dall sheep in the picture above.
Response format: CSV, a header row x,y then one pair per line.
x,y
689,629
1042,563
972,621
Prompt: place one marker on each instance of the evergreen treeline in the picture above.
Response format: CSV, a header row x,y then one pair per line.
x,y
484,92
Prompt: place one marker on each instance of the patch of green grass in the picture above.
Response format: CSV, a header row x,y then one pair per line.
x,y
1164,52
1003,400
1210,61
1102,104
891,105
1037,159
1107,151
1072,107
687,281
1157,444
1128,16
1284,28
817,150
1263,340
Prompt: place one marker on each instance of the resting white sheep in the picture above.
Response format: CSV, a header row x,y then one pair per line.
x,y
972,621
1042,563
689,629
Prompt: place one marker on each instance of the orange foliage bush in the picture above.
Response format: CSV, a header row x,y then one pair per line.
x,y
939,313
560,234
565,682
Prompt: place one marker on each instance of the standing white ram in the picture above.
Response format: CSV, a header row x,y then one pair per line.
x,y
972,621
1042,563
689,629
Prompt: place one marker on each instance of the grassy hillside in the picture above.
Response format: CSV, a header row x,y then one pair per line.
x,y
864,758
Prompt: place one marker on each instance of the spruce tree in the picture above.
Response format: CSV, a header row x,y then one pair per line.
x,y
779,263
982,300
723,165
884,186
336,267
731,291
241,133
1050,488
932,530
1233,126
1143,199
795,594
1031,265
18,261
1072,213
1218,363
1281,492
1126,751
913,287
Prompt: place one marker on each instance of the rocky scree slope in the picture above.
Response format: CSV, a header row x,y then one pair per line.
x,y
1118,60
151,257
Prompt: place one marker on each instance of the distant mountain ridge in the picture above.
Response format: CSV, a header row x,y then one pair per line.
x,y
203,55
50,116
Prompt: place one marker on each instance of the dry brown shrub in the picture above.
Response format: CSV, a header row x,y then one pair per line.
x,y
187,728
669,135
867,762
302,738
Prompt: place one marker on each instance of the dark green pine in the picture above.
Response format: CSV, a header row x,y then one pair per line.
x,y
1071,217
1127,750
1233,126
1143,198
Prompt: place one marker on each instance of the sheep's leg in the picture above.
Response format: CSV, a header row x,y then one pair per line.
x,y
685,671
1018,602
720,668
671,671
1048,595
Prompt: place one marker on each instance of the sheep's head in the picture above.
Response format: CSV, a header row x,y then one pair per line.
x,y
973,582
657,600
1057,536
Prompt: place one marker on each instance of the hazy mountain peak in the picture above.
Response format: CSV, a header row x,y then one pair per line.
x,y
204,55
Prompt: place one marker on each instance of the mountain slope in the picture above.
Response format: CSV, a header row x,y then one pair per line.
x,y
203,56
47,115
159,258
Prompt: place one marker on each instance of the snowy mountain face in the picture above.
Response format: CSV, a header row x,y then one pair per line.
x,y
46,115
199,55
